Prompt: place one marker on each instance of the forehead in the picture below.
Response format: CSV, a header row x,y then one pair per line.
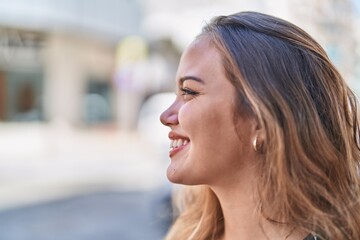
x,y
202,59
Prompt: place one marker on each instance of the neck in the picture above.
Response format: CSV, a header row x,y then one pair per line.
x,y
243,219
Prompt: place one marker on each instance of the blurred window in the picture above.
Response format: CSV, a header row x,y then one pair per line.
x,y
21,96
2,96
97,103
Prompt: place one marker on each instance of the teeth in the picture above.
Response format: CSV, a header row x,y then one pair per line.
x,y
178,143
175,143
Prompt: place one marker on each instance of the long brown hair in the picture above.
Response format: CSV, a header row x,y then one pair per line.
x,y
311,155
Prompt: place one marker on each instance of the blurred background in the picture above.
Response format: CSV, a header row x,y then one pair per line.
x,y
83,155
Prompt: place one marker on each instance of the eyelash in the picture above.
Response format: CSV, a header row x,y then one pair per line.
x,y
186,91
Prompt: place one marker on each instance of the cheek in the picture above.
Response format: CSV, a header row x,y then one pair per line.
x,y
188,117
206,122
196,118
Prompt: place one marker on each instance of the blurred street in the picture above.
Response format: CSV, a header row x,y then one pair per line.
x,y
103,215
81,185
58,161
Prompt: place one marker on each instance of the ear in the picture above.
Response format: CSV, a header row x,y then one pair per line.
x,y
250,130
249,124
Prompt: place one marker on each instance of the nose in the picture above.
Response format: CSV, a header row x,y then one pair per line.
x,y
170,116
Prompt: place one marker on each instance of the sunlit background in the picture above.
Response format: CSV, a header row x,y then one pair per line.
x,y
83,155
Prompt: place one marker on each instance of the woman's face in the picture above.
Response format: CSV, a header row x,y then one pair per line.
x,y
207,146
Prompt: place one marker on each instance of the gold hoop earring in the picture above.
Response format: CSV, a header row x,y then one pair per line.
x,y
255,144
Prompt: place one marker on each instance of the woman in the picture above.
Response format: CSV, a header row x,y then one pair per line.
x,y
267,130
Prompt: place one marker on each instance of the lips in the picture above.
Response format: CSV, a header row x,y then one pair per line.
x,y
178,142
174,150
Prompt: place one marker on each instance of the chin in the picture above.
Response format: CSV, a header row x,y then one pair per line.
x,y
172,174
177,178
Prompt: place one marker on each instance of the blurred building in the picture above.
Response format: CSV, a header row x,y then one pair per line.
x,y
58,60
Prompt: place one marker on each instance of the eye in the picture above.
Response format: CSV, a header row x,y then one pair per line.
x,y
188,93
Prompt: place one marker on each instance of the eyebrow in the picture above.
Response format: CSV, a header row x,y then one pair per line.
x,y
183,79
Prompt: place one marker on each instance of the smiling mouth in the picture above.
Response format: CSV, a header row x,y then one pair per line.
x,y
177,145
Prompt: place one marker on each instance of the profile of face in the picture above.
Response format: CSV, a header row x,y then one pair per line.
x,y
210,144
